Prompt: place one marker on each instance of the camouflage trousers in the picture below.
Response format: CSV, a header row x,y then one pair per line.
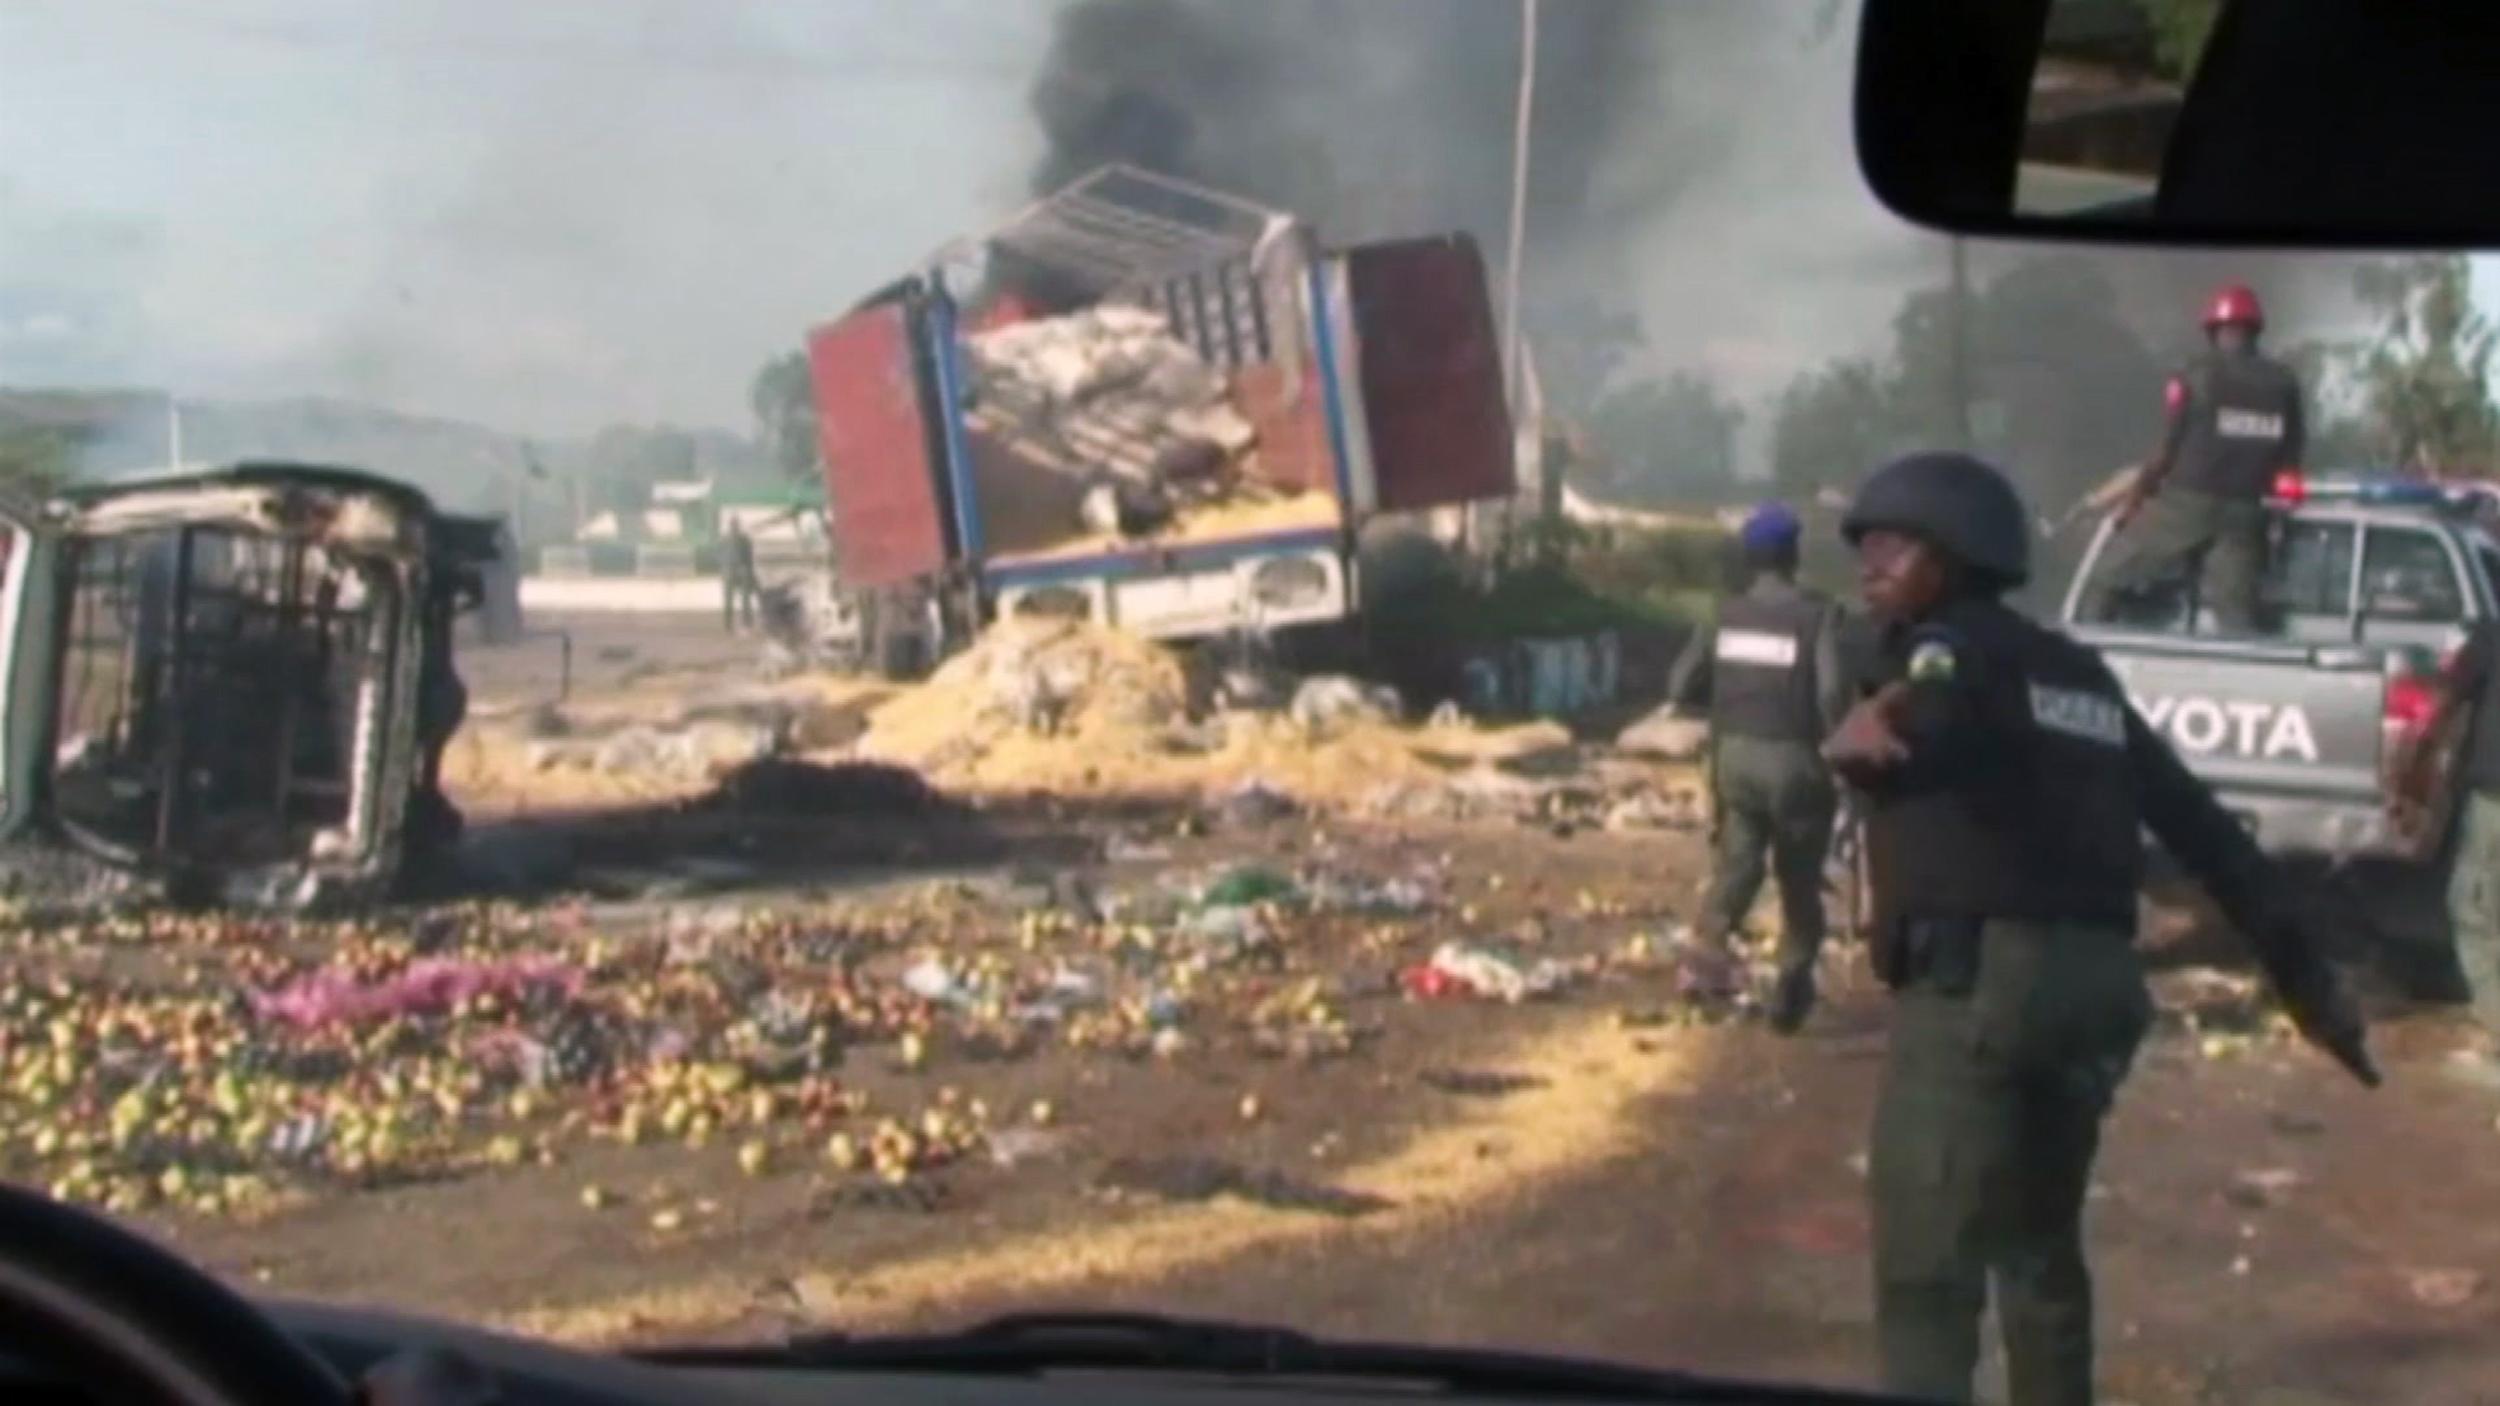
x,y
1985,1133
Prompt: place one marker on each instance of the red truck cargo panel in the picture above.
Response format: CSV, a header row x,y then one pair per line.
x,y
1289,408
889,522
1430,367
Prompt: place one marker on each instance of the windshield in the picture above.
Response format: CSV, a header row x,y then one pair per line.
x,y
1069,710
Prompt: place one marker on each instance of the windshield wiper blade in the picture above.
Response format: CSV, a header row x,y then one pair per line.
x,y
1027,1344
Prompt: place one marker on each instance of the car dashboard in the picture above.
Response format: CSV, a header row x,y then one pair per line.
x,y
520,1372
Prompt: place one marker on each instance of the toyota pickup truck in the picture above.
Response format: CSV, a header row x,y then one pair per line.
x,y
2372,582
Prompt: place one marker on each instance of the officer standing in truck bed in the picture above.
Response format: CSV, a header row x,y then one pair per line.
x,y
2006,783
2231,422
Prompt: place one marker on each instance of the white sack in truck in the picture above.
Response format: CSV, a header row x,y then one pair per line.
x,y
1106,389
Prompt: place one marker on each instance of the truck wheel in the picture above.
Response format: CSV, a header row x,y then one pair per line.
x,y
2407,907
898,658
897,644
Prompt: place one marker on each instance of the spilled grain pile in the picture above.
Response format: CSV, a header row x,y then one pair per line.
x,y
1034,706
652,742
1037,704
1071,707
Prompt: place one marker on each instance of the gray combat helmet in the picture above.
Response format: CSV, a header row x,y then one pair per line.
x,y
1961,505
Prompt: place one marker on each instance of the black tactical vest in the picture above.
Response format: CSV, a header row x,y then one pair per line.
x,y
1762,681
2241,415
2043,821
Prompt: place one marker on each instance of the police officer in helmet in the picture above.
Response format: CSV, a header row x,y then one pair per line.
x,y
1772,671
2232,422
2006,782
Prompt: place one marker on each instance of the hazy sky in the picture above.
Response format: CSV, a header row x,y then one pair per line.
x,y
549,215
546,214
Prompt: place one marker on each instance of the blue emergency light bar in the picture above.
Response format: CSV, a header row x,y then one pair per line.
x,y
2375,489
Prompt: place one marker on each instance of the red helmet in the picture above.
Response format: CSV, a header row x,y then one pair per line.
x,y
2234,304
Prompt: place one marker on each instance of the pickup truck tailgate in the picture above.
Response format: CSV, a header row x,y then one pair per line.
x,y
2284,722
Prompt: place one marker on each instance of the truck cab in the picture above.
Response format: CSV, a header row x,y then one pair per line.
x,y
228,685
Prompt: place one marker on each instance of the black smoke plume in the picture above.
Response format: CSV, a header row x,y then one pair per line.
x,y
1367,118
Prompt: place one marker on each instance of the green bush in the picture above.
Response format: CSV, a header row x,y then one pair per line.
x,y
1585,582
1639,565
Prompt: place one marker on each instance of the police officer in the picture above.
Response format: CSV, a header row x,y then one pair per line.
x,y
1771,667
2006,781
2468,719
742,594
2232,422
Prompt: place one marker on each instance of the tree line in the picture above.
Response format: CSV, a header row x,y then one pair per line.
x,y
2039,370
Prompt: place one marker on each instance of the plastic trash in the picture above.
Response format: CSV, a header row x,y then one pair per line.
x,y
1011,1146
526,1058
667,1045
929,980
1481,971
2444,1288
299,1137
1324,701
1073,987
1254,802
1459,969
335,997
1247,885
1043,1012
1228,934
1387,898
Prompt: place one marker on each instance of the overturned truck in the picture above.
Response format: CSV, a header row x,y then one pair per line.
x,y
1150,405
231,686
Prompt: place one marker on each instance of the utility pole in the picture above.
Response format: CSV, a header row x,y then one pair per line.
x,y
1521,142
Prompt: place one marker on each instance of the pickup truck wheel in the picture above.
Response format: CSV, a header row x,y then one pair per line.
x,y
881,642
2406,906
2395,925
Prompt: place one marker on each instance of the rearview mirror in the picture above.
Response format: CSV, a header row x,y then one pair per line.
x,y
2319,124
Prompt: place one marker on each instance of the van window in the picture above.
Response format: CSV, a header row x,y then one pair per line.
x,y
2406,574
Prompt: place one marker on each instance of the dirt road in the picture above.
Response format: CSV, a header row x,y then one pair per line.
x,y
1559,1174
2263,1233
1269,1117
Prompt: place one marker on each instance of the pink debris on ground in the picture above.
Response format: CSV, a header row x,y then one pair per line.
x,y
334,997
